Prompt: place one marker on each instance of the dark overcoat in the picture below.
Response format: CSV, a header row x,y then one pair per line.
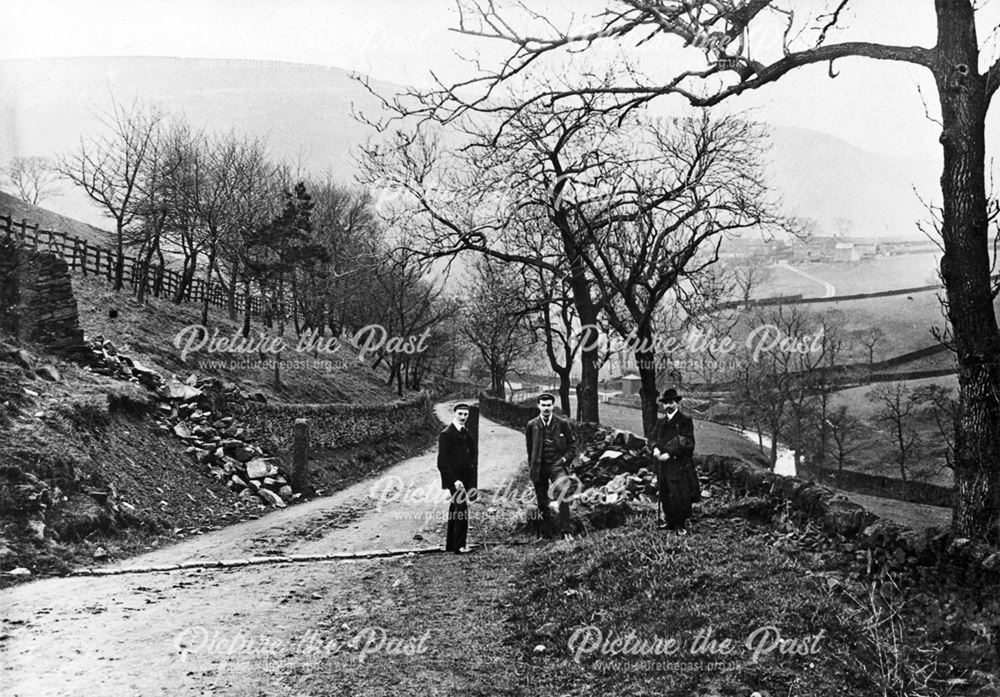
x,y
677,478
457,458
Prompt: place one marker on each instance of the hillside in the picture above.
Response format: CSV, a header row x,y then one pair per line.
x,y
305,114
46,219
825,178
97,466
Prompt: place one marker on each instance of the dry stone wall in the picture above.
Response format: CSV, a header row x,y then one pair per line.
x,y
36,298
338,425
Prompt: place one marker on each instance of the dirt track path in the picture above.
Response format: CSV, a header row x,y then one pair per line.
x,y
238,631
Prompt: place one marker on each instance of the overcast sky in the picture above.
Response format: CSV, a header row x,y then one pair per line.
x,y
874,106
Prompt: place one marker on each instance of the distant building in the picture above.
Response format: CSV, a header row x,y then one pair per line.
x,y
846,251
630,385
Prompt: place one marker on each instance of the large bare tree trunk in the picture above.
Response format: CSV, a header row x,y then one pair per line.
x,y
586,390
645,362
564,388
966,273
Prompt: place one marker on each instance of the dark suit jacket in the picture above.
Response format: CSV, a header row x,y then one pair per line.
x,y
563,440
676,437
456,457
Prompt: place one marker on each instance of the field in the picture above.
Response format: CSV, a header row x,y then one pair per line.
x,y
879,456
872,275
784,281
864,276
906,321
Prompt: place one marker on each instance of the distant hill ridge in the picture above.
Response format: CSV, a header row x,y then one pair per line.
x,y
304,111
49,220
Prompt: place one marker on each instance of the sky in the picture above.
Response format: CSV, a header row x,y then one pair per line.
x,y
874,106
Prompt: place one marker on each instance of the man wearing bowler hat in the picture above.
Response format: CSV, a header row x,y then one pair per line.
x,y
456,462
673,449
550,450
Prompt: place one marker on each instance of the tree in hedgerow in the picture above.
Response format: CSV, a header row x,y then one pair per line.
x,y
895,411
847,435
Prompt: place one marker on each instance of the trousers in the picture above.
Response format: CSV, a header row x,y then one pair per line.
x,y
542,498
458,521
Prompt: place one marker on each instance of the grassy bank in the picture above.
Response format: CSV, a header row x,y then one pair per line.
x,y
532,617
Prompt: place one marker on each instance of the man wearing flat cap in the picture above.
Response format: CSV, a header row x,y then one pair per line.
x,y
673,449
550,450
457,461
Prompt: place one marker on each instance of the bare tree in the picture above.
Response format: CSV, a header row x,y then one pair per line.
x,y
719,34
492,322
549,308
780,361
940,404
705,177
896,408
847,434
33,178
828,376
108,167
870,338
629,203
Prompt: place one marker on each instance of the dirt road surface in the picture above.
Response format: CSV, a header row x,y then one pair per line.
x,y
259,629
238,631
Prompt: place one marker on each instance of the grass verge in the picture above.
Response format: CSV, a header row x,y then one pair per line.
x,y
734,608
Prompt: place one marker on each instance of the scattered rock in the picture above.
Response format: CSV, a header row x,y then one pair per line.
x,y
271,497
243,453
48,372
179,391
259,468
37,529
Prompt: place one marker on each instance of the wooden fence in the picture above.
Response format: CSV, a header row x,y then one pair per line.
x,y
87,258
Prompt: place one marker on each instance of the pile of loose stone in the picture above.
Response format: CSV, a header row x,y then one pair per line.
x,y
618,465
192,410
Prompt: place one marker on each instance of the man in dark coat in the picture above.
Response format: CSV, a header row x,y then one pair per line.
x,y
550,450
456,461
673,448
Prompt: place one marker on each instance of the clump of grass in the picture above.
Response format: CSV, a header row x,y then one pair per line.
x,y
129,398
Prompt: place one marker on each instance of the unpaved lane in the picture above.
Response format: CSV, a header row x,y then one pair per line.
x,y
244,631
829,291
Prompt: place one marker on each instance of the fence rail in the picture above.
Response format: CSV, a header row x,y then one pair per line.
x,y
88,258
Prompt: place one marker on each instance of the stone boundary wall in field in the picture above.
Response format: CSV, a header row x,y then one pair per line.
x,y
877,485
338,425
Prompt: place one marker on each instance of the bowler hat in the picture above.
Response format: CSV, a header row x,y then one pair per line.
x,y
670,395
